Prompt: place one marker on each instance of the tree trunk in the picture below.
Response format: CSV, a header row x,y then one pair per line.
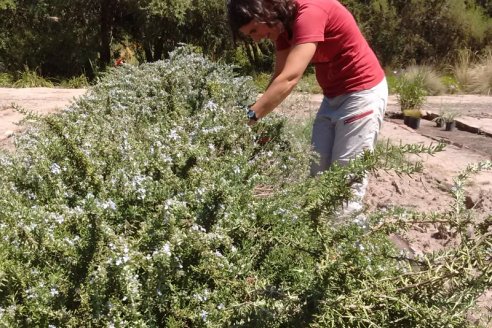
x,y
158,48
148,51
106,31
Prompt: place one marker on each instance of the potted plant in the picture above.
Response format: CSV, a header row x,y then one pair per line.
x,y
439,121
411,95
412,118
448,118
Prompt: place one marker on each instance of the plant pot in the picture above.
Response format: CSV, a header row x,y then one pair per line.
x,y
405,119
450,126
439,124
413,122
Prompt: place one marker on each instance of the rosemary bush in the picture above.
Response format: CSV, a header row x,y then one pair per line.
x,y
141,205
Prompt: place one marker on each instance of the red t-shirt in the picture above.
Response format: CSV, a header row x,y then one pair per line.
x,y
343,60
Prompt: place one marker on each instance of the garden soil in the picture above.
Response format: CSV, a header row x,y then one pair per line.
x,y
427,191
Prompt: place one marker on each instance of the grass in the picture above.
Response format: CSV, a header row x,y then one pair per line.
x,y
309,84
462,70
481,81
430,78
474,72
31,79
76,82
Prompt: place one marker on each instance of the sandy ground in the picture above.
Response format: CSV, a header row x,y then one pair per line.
x,y
38,100
429,191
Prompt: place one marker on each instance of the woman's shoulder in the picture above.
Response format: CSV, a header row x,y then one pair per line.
x,y
324,10
318,3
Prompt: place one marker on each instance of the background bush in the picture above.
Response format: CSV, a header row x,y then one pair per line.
x,y
150,202
64,40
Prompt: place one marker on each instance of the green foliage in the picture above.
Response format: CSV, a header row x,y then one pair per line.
x,y
7,4
380,22
401,32
139,206
308,84
262,80
420,31
26,35
31,79
412,113
75,82
450,83
411,93
392,80
6,80
302,129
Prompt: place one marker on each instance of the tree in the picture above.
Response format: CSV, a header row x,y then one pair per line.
x,y
5,4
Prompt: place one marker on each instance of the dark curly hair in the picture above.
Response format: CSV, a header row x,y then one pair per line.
x,y
241,12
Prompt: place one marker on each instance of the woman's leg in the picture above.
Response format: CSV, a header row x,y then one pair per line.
x,y
322,139
360,117
357,130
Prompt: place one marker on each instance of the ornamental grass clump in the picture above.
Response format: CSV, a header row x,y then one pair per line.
x,y
137,207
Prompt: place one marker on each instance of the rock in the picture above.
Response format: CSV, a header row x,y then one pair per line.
x,y
445,186
9,133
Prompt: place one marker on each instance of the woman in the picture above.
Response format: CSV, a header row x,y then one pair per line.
x,y
324,33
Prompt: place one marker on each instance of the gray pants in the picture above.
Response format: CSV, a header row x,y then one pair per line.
x,y
347,125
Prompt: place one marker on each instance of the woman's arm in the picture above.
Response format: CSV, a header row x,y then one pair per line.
x,y
280,59
290,65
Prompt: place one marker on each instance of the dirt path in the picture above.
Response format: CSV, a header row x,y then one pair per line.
x,y
429,191
38,100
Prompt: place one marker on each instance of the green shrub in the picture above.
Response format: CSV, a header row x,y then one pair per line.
x,y
5,80
76,82
138,206
31,79
411,92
